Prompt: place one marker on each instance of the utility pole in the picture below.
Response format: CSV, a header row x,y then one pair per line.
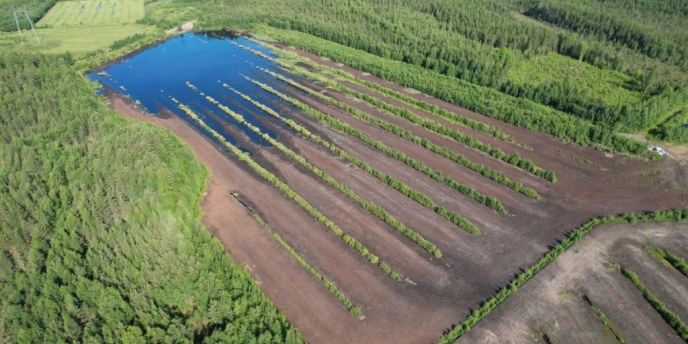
x,y
26,13
16,20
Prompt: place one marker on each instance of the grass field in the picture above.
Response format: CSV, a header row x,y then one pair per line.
x,y
80,27
69,13
77,40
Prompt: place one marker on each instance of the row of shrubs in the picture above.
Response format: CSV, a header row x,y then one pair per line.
x,y
513,159
288,191
676,261
423,142
409,192
419,104
488,201
484,100
574,237
602,318
353,309
670,317
433,109
369,206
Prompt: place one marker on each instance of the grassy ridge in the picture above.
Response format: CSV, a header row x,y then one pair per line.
x,y
386,178
575,236
291,194
670,317
353,309
374,209
603,318
488,201
430,125
675,261
487,172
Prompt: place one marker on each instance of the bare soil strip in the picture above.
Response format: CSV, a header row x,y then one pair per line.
x,y
473,155
411,193
389,140
390,307
376,110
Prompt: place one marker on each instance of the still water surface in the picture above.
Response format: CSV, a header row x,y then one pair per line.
x,y
154,75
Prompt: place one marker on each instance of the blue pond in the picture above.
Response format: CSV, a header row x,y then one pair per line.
x,y
155,75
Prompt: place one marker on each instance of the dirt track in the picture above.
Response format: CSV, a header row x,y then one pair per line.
x,y
472,268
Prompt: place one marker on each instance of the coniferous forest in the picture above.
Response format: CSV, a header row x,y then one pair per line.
x,y
101,232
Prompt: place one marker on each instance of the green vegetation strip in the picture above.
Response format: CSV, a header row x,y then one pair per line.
x,y
383,177
372,208
603,318
410,101
488,201
670,317
430,125
289,192
353,309
577,235
498,177
676,261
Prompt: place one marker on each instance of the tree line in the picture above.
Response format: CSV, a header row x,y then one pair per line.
x,y
582,18
481,41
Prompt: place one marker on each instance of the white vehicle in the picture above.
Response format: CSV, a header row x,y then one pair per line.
x,y
659,150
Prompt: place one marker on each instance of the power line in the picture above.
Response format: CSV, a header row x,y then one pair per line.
x,y
26,13
16,20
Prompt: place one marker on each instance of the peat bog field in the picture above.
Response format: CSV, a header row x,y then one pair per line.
x,y
373,213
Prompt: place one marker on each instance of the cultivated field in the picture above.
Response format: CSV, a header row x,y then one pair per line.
x,y
94,12
381,214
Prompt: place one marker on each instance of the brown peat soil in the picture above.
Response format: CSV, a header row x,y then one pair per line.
x,y
434,293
